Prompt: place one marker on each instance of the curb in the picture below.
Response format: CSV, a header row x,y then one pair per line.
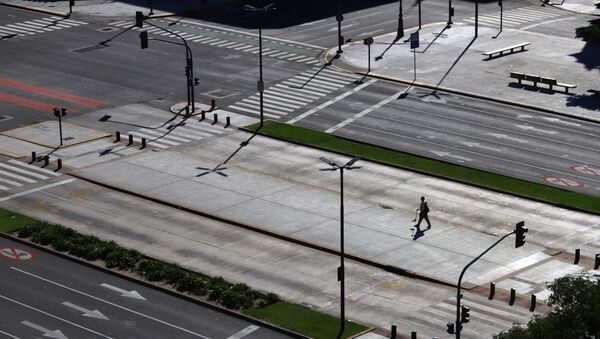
x,y
327,58
36,9
389,268
155,287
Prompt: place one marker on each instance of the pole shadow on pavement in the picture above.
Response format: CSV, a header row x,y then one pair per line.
x,y
454,63
218,169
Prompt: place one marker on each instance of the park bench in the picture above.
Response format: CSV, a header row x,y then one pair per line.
x,y
535,79
501,51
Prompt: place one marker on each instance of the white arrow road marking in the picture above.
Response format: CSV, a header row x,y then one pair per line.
x,y
5,117
533,129
506,137
9,335
450,155
560,121
478,145
86,313
53,316
47,333
129,294
343,27
109,303
244,332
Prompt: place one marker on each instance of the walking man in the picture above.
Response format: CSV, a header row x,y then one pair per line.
x,y
423,211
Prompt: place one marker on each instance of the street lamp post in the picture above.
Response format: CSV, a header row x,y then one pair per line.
x,y
340,272
339,18
400,32
260,85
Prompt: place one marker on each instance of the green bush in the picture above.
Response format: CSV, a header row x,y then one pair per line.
x,y
63,245
218,287
153,270
123,259
29,230
105,248
193,283
173,274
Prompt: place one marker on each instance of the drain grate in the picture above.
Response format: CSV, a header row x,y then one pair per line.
x,y
88,48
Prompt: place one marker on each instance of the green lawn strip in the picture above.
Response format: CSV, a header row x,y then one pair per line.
x,y
303,320
429,166
10,221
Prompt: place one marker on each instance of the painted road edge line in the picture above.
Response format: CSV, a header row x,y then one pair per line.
x,y
16,195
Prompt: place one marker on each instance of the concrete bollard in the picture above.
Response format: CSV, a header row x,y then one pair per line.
x,y
143,143
33,157
597,262
513,294
577,254
130,140
215,118
393,335
117,136
213,104
492,290
58,164
533,303
202,116
227,122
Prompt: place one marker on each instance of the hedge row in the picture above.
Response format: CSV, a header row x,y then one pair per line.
x,y
63,239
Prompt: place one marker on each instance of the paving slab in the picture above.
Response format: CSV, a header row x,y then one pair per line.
x,y
17,148
47,134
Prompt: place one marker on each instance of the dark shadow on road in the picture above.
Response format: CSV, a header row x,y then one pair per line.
x,y
418,232
590,102
588,56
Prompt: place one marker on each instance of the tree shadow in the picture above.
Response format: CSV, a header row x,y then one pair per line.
x,y
587,101
588,56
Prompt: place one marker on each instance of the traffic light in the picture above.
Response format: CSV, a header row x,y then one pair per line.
x,y
464,314
450,328
187,71
59,112
520,231
139,19
144,39
451,11
196,81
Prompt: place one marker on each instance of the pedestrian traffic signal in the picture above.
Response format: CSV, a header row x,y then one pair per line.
x,y
139,19
196,81
464,314
451,11
450,328
144,39
520,231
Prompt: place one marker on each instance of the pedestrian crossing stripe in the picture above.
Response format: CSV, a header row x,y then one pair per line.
x,y
518,16
235,45
294,93
36,26
164,137
14,173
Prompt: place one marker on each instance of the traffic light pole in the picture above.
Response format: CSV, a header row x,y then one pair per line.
x,y
458,324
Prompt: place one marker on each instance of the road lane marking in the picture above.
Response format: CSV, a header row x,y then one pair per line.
x,y
36,189
334,100
108,302
53,316
365,112
129,294
244,332
86,313
9,335
57,334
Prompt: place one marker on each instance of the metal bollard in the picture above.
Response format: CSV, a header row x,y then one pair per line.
x,y
492,290
143,143
533,303
227,122
58,164
130,140
202,116
117,136
215,119
33,157
213,104
577,254
46,160
597,262
413,335
393,335
513,294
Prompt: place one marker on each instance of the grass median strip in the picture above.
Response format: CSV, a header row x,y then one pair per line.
x,y
263,306
519,187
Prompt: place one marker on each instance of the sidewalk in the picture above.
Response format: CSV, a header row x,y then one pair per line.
x,y
451,59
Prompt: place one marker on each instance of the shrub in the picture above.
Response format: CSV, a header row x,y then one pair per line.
x,y
173,274
193,283
218,287
29,230
105,248
63,245
269,299
123,259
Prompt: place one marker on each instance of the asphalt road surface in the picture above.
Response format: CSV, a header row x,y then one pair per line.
x,y
44,295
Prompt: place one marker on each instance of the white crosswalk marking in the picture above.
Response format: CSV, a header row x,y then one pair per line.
x,y
518,16
207,37
36,26
294,93
14,173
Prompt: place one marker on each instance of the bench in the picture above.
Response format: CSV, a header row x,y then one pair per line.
x,y
501,51
551,82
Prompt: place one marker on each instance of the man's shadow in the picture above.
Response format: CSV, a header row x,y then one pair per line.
x,y
418,232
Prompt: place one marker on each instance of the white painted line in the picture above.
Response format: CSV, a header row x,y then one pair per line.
x,y
206,127
313,22
12,175
297,57
53,316
265,104
36,189
85,312
9,335
109,303
244,332
4,188
152,138
257,108
35,175
321,80
364,112
283,101
10,182
325,104
301,91
306,59
279,93
161,135
34,168
275,101
253,111
124,293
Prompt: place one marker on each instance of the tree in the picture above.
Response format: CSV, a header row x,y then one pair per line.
x,y
575,302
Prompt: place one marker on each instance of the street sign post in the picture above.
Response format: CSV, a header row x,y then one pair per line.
x,y
414,44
